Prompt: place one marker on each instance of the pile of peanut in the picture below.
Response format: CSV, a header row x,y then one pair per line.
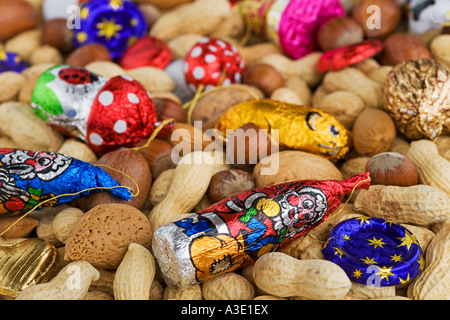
x,y
298,271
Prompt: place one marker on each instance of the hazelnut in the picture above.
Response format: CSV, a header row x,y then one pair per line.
x,y
264,77
400,47
390,13
339,32
374,132
247,146
88,53
131,168
392,168
56,34
17,16
158,156
227,183
169,109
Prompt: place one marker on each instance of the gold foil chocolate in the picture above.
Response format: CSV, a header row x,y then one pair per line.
x,y
300,127
25,262
417,97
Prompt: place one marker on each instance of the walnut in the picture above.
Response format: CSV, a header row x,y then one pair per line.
x,y
417,98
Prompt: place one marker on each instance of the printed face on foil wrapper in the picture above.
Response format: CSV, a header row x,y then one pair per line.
x,y
213,62
28,178
428,15
374,251
300,127
238,230
117,24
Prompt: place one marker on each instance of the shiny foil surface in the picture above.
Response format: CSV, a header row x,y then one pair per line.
x,y
11,61
343,57
148,51
28,178
238,230
117,24
374,251
300,127
25,262
255,14
292,25
417,97
63,96
122,114
212,62
300,23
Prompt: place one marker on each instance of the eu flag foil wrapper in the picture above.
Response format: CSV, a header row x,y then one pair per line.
x,y
236,231
374,251
117,24
30,178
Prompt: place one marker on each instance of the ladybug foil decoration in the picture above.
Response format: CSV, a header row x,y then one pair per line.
x,y
107,114
213,62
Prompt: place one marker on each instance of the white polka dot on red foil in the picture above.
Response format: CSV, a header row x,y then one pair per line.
x,y
122,115
212,62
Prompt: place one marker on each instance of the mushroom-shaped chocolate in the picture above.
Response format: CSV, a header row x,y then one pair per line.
x,y
213,62
122,114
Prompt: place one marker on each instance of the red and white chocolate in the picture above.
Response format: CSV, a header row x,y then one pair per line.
x,y
213,62
122,114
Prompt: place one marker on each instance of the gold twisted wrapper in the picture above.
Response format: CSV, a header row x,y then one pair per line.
x,y
417,97
300,127
25,262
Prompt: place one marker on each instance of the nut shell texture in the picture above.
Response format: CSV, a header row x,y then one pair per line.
x,y
417,98
102,235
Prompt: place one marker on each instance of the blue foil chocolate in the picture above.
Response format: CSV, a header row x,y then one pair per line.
x,y
10,61
374,251
117,24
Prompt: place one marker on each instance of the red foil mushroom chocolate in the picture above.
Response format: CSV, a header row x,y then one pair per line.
x,y
147,51
213,62
107,114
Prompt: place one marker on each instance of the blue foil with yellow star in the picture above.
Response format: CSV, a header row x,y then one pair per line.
x,y
374,251
10,61
117,24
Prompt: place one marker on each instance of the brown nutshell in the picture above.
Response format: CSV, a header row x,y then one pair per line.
x,y
392,168
128,168
400,47
339,32
102,235
16,16
227,183
373,132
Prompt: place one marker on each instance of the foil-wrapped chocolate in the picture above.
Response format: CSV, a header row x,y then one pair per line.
x,y
428,15
107,114
236,231
300,127
417,97
30,179
290,24
25,262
